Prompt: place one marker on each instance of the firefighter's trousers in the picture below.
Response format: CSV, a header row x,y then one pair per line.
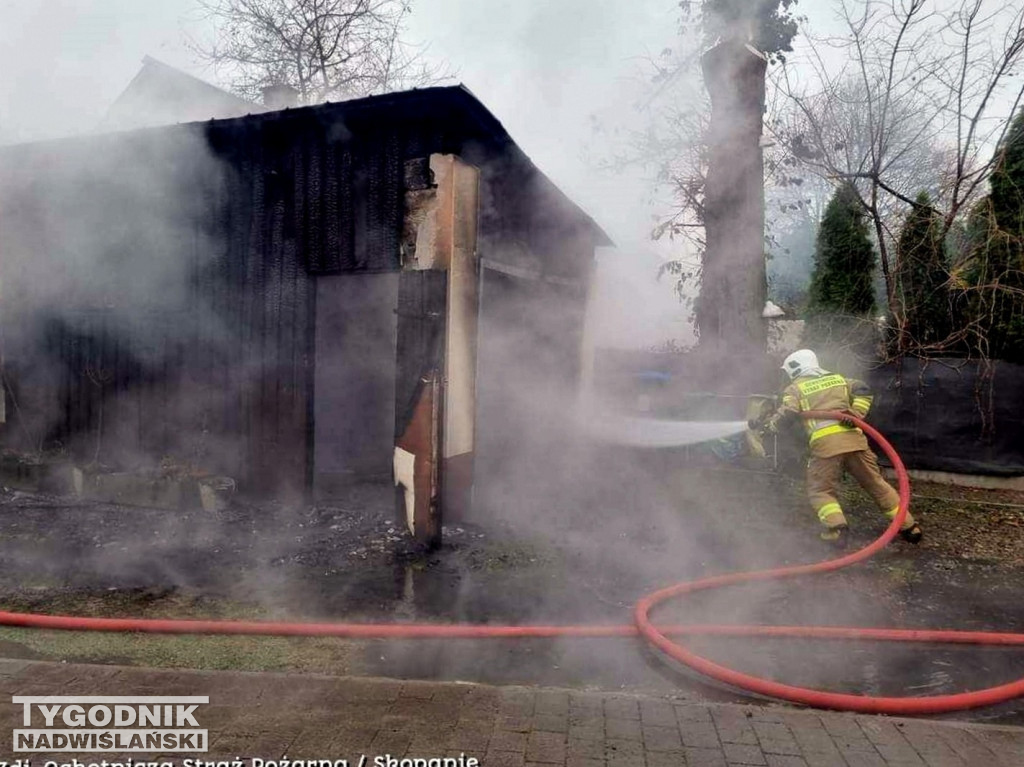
x,y
824,475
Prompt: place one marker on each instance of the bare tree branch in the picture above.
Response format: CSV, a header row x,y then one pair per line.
x,y
325,49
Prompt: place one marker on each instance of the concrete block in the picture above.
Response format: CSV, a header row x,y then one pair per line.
x,y
35,474
21,472
215,492
132,489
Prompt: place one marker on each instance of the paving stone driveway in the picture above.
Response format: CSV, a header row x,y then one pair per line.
x,y
270,716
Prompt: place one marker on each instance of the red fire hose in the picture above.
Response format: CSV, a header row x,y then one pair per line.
x,y
934,704
657,635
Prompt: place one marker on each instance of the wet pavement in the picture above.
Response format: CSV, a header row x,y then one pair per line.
x,y
259,718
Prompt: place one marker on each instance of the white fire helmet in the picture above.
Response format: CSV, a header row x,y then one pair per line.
x,y
800,362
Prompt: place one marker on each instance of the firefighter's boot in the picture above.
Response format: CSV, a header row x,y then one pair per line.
x,y
836,535
832,517
912,534
911,531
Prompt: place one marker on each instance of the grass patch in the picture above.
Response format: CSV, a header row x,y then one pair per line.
x,y
226,653
221,653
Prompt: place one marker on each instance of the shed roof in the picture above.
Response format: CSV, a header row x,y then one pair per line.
x,y
451,109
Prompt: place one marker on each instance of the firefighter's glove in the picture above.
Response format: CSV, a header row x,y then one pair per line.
x,y
847,421
759,426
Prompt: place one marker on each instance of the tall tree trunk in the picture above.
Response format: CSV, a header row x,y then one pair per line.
x,y
734,283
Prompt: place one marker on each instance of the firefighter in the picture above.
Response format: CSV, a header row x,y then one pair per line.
x,y
834,444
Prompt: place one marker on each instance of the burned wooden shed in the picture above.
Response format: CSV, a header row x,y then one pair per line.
x,y
298,299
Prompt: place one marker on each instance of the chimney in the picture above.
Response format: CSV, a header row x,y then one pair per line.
x,y
280,96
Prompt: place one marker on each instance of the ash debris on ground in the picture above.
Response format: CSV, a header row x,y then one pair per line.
x,y
323,561
585,563
349,560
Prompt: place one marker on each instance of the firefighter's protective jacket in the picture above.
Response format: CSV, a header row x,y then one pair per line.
x,y
828,391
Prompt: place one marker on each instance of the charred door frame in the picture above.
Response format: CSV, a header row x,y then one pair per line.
x,y
439,306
